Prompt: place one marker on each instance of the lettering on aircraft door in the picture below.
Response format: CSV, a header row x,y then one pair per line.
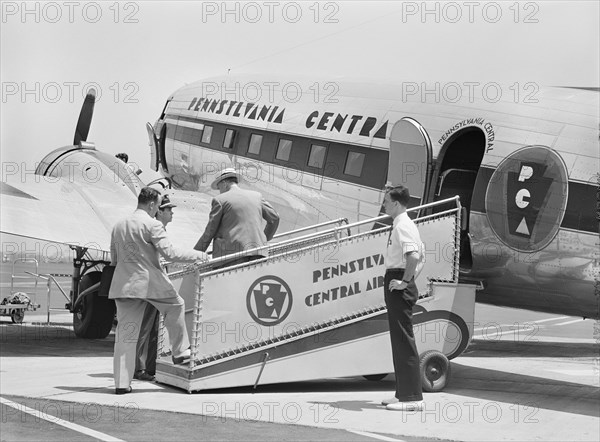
x,y
410,154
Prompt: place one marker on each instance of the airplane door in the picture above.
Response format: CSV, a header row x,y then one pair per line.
x,y
409,163
154,151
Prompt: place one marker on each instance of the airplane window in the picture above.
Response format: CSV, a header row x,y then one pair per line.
x,y
284,149
183,134
317,156
255,142
179,132
354,163
207,134
190,135
228,141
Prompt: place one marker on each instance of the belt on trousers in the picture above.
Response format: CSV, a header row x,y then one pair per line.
x,y
394,270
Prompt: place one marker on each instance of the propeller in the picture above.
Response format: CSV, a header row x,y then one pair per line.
x,y
85,117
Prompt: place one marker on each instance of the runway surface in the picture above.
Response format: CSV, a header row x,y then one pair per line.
x,y
526,376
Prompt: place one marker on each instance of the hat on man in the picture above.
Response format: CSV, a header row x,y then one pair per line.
x,y
166,203
229,172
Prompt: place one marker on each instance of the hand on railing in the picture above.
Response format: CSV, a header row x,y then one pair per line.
x,y
202,258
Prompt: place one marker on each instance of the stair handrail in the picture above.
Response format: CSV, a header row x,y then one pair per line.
x,y
264,250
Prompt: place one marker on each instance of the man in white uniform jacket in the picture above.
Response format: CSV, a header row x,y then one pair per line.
x,y
137,242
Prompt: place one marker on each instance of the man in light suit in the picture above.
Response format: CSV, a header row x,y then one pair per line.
x,y
145,360
236,219
137,242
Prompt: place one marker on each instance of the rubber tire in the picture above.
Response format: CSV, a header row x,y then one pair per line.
x,y
94,320
435,371
375,377
17,315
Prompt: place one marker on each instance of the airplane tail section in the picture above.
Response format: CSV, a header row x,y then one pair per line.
x,y
313,308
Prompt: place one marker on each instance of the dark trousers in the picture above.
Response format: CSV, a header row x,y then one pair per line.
x,y
399,304
147,345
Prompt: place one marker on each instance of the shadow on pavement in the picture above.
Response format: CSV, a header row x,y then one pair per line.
x,y
486,384
540,392
135,387
482,348
39,340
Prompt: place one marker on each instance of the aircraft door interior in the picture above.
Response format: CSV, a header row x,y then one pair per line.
x,y
459,162
161,148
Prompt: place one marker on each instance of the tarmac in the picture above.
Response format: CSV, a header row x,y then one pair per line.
x,y
500,389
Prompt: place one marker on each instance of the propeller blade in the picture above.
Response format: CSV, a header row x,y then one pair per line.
x,y
85,117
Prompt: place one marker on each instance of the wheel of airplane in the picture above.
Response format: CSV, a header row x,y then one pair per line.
x,y
375,377
17,315
94,317
435,371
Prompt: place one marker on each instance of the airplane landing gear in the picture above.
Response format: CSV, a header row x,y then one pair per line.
x,y
93,316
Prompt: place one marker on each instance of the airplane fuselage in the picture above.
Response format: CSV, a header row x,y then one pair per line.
x,y
527,173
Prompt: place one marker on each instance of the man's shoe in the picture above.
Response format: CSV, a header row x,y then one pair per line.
x,y
406,406
177,360
143,376
183,358
391,400
123,390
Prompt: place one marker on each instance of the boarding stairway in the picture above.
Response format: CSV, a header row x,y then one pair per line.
x,y
314,308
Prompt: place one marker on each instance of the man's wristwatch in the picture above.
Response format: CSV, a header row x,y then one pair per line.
x,y
405,281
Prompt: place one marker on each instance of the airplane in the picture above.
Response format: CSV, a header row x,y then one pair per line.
x,y
526,171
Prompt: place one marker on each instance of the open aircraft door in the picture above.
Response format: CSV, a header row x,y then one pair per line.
x,y
409,163
155,156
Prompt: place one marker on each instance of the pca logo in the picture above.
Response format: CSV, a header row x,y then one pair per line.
x,y
269,300
526,198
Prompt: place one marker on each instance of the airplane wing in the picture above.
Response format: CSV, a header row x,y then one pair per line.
x,y
83,213
75,196
56,210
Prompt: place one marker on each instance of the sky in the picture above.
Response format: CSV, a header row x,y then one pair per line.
x,y
138,53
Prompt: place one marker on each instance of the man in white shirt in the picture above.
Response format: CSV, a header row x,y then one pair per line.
x,y
403,255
